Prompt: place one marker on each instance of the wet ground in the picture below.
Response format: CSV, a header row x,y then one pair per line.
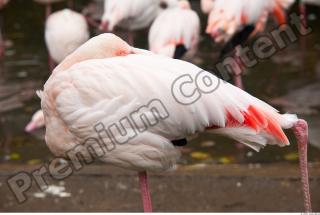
x,y
218,188
24,70
289,80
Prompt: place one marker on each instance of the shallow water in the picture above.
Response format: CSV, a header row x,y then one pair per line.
x,y
24,70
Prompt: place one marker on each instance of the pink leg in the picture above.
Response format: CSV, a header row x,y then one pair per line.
x,y
237,79
71,4
237,70
92,22
145,194
51,63
48,10
303,26
130,38
300,130
2,49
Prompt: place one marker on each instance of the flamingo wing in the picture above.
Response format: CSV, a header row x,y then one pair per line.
x,y
109,91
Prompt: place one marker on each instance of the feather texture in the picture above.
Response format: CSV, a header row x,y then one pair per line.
x,y
109,90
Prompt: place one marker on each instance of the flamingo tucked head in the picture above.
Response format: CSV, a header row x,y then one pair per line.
x,y
37,121
102,46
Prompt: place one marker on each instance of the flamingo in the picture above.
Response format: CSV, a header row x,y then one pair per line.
x,y
234,21
65,31
105,81
206,6
131,14
2,4
175,31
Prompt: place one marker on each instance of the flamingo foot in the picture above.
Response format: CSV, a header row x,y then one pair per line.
x,y
300,130
145,194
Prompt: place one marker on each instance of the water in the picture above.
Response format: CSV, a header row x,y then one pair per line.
x,y
25,69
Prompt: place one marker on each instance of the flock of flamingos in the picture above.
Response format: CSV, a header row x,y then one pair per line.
x,y
104,79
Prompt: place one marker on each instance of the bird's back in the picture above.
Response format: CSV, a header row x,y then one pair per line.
x,y
173,27
142,95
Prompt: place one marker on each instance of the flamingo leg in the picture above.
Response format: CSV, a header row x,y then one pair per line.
x,y
130,38
237,79
48,10
300,130
2,49
303,25
51,63
145,194
237,70
2,46
71,4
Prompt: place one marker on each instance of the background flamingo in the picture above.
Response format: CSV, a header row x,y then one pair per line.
x,y
131,14
106,80
234,21
175,31
65,31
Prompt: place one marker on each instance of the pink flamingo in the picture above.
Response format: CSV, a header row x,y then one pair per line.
x,y
175,32
105,81
234,21
131,15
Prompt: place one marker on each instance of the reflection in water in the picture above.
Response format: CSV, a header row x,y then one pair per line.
x,y
25,69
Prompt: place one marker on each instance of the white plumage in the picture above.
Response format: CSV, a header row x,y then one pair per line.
x,y
130,14
65,31
92,87
175,26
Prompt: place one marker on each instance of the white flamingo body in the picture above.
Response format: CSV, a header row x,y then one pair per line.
x,y
78,96
174,26
65,31
130,14
228,17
